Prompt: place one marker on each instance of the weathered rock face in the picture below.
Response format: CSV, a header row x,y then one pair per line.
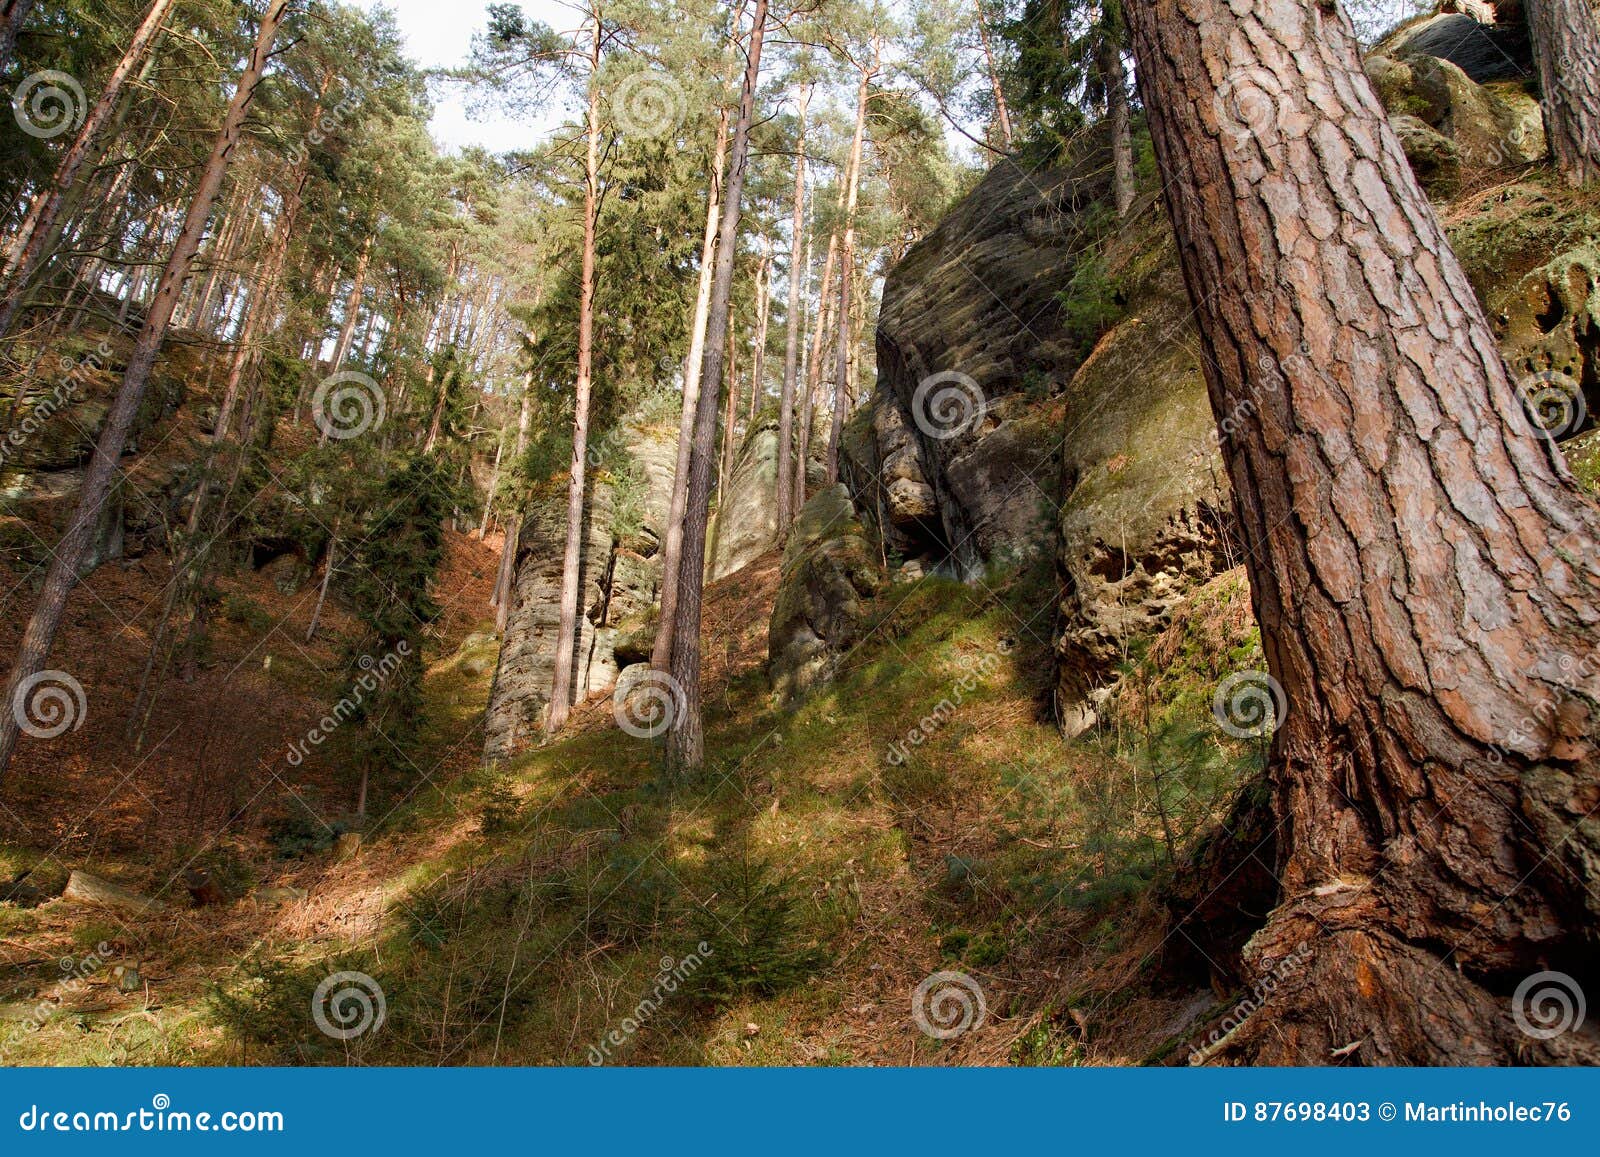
x,y
953,458
829,568
1548,323
620,577
745,525
1104,460
1144,511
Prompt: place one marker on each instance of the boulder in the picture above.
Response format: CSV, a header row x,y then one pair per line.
x,y
1482,51
829,570
90,889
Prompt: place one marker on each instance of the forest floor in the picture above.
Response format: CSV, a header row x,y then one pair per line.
x,y
522,915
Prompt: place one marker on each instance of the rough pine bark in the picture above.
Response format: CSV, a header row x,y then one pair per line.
x,y
1423,567
686,738
1566,49
67,558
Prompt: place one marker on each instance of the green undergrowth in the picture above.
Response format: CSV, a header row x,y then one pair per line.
x,y
920,813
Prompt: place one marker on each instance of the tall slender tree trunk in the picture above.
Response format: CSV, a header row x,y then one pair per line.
x,y
13,15
672,544
352,306
1424,569
1002,111
791,350
97,482
28,247
686,738
265,304
846,254
1119,122
730,411
1566,48
814,373
571,564
758,367
508,548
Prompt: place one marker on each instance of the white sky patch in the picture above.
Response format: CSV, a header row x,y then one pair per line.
x,y
438,34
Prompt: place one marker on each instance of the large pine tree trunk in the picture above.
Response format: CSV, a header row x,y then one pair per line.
x,y
686,739
572,559
791,350
1423,568
672,544
1566,48
98,479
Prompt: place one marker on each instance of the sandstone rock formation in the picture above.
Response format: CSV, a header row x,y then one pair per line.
x,y
829,568
620,576
745,525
